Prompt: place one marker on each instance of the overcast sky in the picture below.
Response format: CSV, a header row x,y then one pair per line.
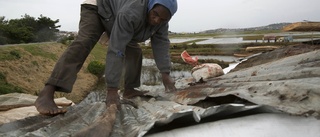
x,y
192,15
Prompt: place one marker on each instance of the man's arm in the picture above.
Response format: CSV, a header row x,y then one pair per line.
x,y
121,34
160,46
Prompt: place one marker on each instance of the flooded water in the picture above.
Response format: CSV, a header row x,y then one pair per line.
x,y
151,76
221,41
238,39
181,40
221,58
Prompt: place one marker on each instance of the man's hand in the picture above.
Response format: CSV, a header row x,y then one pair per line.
x,y
168,82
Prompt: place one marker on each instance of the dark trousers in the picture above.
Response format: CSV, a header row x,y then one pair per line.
x,y
69,64
133,65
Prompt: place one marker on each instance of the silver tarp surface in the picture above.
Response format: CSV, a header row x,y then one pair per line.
x,y
288,86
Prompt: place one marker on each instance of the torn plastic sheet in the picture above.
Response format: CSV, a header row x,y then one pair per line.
x,y
130,121
289,85
16,106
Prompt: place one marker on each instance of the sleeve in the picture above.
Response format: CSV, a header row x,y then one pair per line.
x,y
160,46
121,34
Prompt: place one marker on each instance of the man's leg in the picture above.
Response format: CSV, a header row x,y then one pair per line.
x,y
133,72
65,71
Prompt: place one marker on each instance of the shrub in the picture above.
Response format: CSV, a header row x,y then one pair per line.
x,y
5,87
8,88
96,68
63,40
16,54
3,40
2,77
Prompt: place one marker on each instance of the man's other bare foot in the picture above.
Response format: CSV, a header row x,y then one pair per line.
x,y
131,93
45,102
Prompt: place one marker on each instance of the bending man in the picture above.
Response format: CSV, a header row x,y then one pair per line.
x,y
126,22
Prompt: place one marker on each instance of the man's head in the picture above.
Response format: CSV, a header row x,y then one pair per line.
x,y
161,11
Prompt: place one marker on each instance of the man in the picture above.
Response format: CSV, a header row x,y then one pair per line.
x,y
126,22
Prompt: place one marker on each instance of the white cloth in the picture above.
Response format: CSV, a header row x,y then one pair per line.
x,y
92,2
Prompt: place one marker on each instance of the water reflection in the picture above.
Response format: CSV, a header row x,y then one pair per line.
x,y
151,76
181,40
221,41
220,58
234,40
240,40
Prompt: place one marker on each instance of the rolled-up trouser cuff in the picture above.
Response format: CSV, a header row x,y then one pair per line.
x,y
61,86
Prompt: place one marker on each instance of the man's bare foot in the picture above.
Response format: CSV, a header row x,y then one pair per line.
x,y
45,102
131,93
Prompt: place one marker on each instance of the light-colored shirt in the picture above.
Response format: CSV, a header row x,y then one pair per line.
x,y
91,2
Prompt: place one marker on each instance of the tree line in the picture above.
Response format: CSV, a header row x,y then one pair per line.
x,y
28,30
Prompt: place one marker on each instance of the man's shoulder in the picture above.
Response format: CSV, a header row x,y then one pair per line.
x,y
136,9
134,5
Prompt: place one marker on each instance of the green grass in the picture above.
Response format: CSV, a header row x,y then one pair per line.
x,y
5,87
99,53
36,50
9,53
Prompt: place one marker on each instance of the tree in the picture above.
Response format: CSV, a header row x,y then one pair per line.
x,y
3,23
21,30
46,29
28,29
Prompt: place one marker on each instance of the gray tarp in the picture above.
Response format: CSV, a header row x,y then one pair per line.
x,y
289,85
130,122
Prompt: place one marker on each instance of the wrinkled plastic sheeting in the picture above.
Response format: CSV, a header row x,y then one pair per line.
x,y
17,106
129,122
290,84
16,99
